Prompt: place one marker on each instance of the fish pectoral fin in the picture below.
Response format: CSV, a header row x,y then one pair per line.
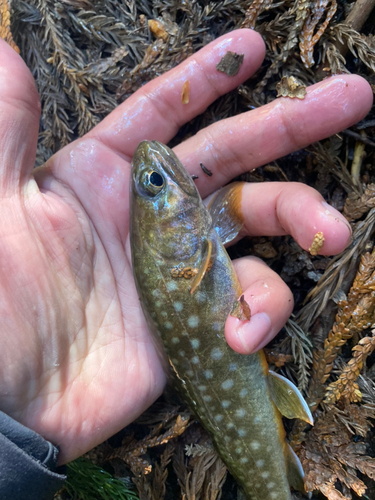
x,y
226,213
288,399
207,262
294,469
240,494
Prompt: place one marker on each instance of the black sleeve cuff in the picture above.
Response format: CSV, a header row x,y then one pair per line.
x,y
27,463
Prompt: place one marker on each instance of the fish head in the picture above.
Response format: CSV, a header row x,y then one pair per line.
x,y
166,209
153,159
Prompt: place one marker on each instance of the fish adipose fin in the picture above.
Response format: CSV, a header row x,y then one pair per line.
x,y
294,469
288,399
207,262
226,213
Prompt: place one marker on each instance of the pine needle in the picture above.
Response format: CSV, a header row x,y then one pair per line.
x,y
87,481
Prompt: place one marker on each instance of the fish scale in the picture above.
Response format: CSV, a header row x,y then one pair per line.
x,y
229,392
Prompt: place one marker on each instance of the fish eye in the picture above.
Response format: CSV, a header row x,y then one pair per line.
x,y
156,179
151,182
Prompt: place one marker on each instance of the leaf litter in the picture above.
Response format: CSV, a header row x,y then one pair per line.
x,y
88,56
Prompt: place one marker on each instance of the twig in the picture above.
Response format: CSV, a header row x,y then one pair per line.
x,y
356,19
359,155
365,124
358,137
359,13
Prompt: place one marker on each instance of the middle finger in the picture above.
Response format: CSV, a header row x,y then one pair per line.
x,y
279,208
246,141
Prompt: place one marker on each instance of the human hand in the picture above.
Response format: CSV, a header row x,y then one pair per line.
x,y
77,362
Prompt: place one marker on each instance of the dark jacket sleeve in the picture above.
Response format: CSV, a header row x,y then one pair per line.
x,y
27,463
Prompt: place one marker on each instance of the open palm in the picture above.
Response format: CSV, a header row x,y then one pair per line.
x,y
76,360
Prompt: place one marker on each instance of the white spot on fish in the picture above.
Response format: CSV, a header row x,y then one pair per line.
x,y
270,485
157,303
202,388
257,420
216,353
175,361
171,286
195,360
178,306
208,374
227,439
175,340
255,445
228,384
269,448
238,450
225,404
259,463
219,418
207,399
164,314
243,393
244,460
168,325
190,373
232,367
195,343
273,494
265,474
193,321
182,354
240,412
200,296
230,425
155,292
216,325
242,432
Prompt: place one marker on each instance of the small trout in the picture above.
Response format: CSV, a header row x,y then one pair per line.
x,y
187,287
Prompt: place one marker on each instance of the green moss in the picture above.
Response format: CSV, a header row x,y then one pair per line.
x,y
87,481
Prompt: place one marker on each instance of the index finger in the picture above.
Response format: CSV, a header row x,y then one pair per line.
x,y
156,112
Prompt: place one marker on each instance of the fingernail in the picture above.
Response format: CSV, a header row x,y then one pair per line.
x,y
329,210
252,333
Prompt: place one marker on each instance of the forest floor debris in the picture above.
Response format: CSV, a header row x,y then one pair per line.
x,y
89,56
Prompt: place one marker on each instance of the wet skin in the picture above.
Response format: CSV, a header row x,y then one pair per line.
x,y
77,361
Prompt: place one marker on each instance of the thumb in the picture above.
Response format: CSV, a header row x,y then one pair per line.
x,y
19,120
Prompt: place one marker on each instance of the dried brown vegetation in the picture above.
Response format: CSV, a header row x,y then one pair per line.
x,y
86,57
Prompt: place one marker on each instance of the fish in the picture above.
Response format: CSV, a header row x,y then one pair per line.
x,y
187,287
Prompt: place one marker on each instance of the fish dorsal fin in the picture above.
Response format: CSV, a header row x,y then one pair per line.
x,y
294,469
226,213
206,264
288,399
